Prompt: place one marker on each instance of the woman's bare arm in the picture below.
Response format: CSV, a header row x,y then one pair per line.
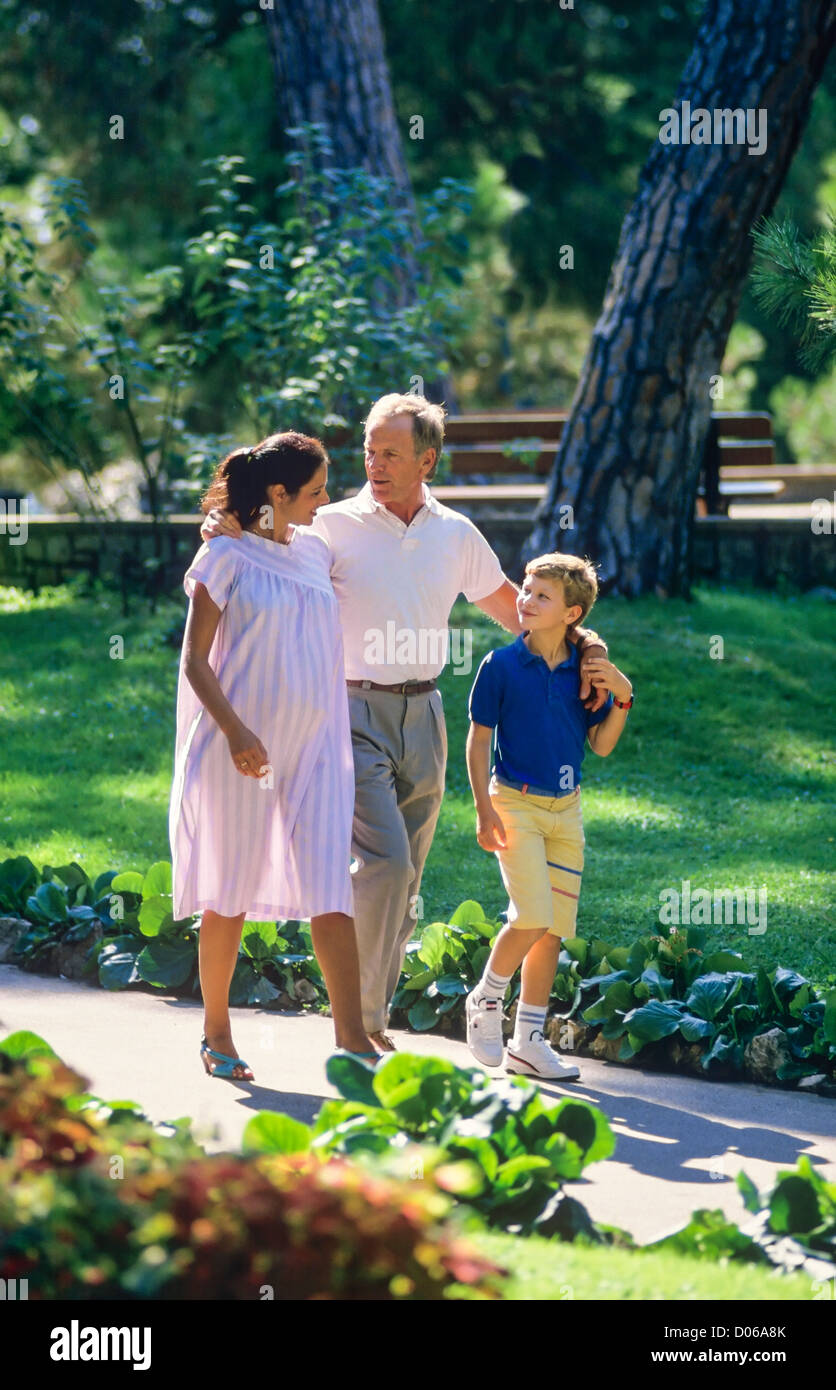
x,y
246,749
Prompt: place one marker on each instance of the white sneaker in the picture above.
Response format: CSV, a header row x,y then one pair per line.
x,y
536,1058
484,1030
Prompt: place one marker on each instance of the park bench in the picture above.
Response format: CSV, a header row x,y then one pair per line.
x,y
491,452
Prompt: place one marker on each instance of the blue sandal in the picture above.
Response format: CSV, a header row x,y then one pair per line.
x,y
368,1057
226,1065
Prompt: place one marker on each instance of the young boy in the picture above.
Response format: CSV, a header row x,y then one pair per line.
x,y
529,814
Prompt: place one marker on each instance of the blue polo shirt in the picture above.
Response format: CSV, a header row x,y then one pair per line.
x,y
540,722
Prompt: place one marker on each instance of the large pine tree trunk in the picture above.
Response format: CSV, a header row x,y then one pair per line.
x,y
330,66
630,455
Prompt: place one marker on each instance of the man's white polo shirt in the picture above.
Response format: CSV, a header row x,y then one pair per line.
x,y
396,583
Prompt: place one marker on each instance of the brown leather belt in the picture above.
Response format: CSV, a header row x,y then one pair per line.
x,y
405,687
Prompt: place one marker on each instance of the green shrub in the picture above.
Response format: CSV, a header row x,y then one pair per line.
x,y
443,965
141,942
495,1145
254,321
664,985
61,905
663,989
794,1226
658,988
96,1202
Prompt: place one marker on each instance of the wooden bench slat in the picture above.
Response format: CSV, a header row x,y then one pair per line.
x,y
489,426
751,487
747,452
742,424
775,511
534,492
490,492
477,429
492,457
484,427
818,472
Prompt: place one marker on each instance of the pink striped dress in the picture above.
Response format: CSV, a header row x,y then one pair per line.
x,y
239,844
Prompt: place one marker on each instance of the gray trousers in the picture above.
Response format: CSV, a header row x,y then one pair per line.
x,y
400,755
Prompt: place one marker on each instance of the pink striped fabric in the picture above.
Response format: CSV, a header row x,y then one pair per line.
x,y
237,844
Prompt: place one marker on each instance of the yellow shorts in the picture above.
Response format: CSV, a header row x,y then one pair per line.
x,y
542,864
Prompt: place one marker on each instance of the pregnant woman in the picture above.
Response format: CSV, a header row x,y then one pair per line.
x,y
263,792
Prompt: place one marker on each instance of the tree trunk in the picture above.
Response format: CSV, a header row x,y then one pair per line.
x,y
330,66
329,63
630,454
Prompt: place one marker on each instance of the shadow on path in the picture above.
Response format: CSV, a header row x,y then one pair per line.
x,y
675,1136
300,1105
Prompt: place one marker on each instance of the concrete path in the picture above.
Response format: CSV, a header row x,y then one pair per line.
x,y
681,1141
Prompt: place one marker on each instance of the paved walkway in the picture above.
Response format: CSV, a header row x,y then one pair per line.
x,y
681,1141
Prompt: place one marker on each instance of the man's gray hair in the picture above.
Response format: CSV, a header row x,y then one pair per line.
x,y
427,421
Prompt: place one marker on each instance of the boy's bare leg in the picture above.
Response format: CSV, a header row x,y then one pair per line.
x,y
335,944
484,1003
529,1053
511,947
539,970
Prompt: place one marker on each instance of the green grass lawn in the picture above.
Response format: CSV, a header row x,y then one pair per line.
x,y
550,1270
724,776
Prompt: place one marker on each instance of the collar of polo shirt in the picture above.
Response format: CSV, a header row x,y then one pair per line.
x,y
528,656
366,501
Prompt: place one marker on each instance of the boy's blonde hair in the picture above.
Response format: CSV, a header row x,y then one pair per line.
x,y
578,577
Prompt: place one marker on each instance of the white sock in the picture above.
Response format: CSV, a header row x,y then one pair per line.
x,y
530,1020
491,986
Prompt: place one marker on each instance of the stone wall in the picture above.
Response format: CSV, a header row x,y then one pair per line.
x,y
728,551
121,552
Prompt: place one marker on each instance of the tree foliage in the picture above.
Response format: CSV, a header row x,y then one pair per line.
x,y
254,326
795,280
546,111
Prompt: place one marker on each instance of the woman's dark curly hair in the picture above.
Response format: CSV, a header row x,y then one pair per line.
x,y
241,479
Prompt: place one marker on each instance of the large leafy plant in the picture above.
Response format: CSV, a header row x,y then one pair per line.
x,y
443,965
61,905
151,946
184,1224
662,986
140,941
793,1226
660,990
497,1145
269,959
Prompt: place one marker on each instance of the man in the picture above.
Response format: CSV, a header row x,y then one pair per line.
x,y
399,561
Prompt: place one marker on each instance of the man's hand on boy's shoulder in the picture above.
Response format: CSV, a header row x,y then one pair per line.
x,y
588,637
220,523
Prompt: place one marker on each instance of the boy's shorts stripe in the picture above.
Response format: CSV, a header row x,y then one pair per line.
x,y
564,867
565,894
